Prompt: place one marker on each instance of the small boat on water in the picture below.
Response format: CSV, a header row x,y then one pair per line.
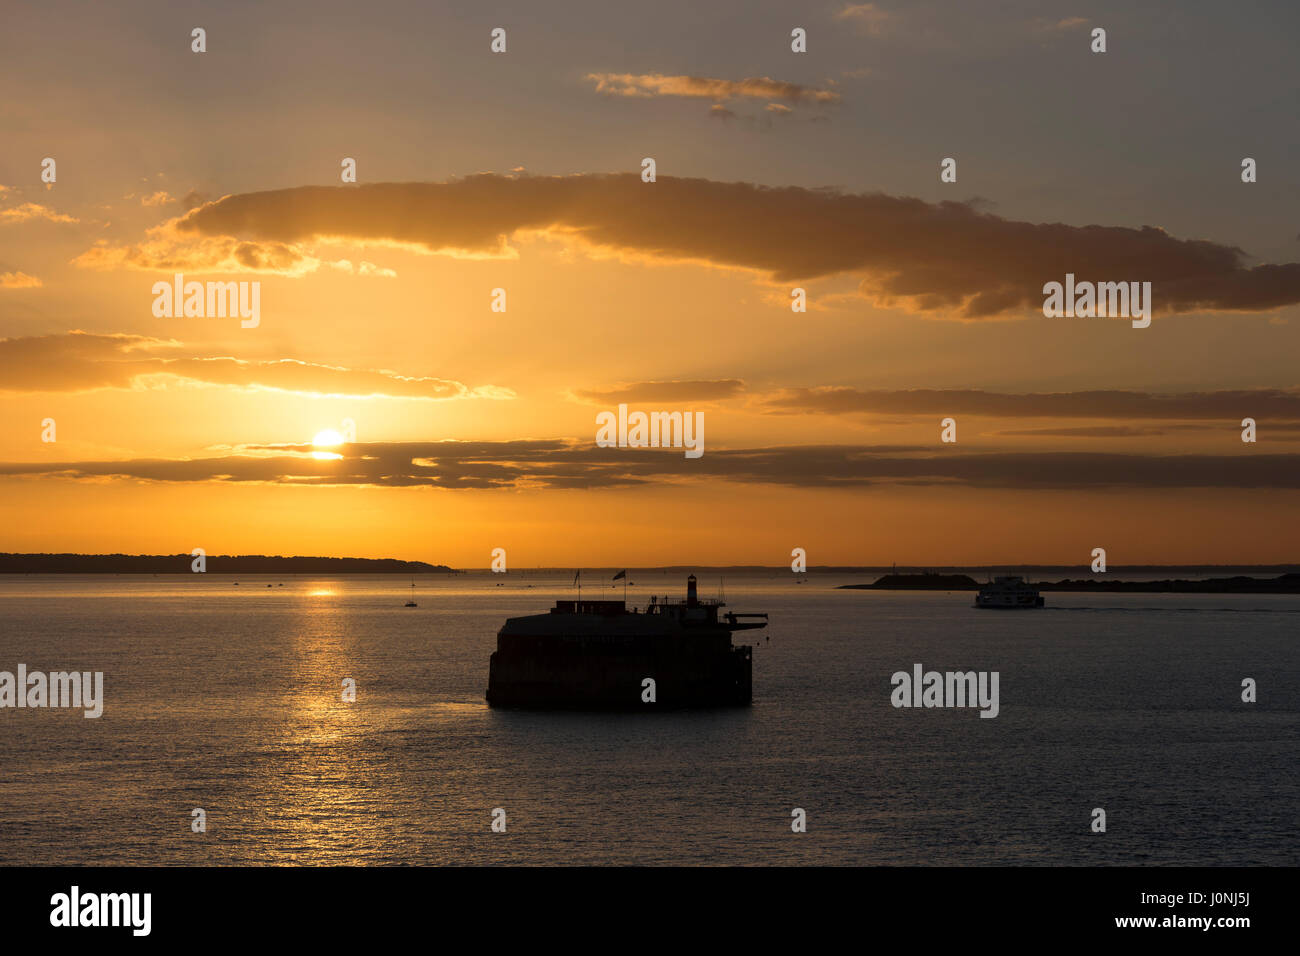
x,y
1008,592
411,603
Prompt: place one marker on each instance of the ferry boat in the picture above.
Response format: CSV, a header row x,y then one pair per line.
x,y
1008,592
596,655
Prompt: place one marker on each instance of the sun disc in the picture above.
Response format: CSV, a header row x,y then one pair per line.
x,y
326,439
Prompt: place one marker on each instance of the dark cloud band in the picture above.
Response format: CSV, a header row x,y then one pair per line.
x,y
575,464
948,258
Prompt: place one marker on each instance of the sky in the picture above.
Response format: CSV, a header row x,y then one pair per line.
x,y
467,429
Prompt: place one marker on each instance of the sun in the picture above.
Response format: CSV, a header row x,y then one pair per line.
x,y
326,439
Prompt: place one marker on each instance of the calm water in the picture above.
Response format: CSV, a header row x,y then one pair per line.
x,y
227,698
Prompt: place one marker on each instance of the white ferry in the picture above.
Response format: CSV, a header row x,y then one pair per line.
x,y
1008,592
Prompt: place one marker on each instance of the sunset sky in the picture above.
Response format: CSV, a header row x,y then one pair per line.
x,y
521,170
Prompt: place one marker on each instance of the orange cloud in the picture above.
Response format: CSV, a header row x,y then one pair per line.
x,y
704,87
867,17
29,211
163,250
19,280
707,391
78,361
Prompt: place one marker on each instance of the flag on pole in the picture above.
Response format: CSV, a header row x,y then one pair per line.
x,y
621,574
576,575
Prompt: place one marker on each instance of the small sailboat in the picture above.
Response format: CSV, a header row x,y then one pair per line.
x,y
411,603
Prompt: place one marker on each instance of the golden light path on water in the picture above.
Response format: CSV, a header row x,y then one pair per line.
x,y
325,796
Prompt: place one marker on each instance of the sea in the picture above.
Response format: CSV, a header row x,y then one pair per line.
x,y
224,693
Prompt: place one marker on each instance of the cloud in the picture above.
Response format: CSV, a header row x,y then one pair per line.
x,y
1234,405
1277,431
1056,26
699,391
19,280
703,87
558,463
29,211
948,259
78,361
160,198
1090,431
867,17
194,198
363,268
165,251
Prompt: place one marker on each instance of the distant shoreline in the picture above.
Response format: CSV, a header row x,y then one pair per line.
x,y
215,564
941,578
1240,584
